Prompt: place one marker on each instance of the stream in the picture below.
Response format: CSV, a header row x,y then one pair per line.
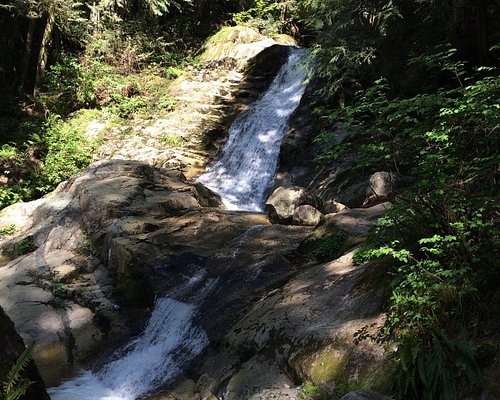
x,y
242,176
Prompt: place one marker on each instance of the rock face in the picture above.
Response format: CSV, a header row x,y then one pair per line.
x,y
11,347
301,330
306,215
60,294
125,231
283,202
240,43
237,65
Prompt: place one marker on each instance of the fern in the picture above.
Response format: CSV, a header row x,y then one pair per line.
x,y
14,387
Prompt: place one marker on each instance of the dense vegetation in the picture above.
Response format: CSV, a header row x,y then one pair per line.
x,y
415,83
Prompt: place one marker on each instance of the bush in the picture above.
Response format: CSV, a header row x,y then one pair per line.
x,y
441,235
330,248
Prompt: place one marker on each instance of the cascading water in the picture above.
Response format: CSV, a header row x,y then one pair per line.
x,y
154,358
248,162
241,176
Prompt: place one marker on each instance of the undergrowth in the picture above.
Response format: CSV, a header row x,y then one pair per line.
x,y
442,234
46,139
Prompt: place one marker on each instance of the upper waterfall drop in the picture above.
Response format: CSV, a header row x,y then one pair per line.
x,y
248,163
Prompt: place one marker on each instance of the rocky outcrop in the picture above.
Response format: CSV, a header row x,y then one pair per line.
x,y
240,43
60,294
123,231
302,330
353,191
237,65
284,201
11,347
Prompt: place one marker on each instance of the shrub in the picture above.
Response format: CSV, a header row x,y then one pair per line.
x,y
441,235
330,248
24,246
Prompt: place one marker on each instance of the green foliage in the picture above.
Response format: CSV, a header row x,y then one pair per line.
x,y
330,248
54,150
434,281
439,124
14,386
429,372
67,151
315,392
7,230
24,246
264,16
441,235
172,140
349,33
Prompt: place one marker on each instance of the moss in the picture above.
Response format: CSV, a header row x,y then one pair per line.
x,y
225,40
329,367
381,380
172,140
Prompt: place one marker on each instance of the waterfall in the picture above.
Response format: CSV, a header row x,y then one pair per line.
x,y
169,342
242,176
247,166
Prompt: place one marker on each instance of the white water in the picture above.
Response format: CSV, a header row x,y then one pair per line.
x,y
247,166
168,342
242,176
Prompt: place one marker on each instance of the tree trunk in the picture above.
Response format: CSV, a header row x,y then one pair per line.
x,y
44,49
28,50
29,66
481,31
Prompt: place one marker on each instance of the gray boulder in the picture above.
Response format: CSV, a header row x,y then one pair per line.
x,y
364,395
281,205
307,215
340,187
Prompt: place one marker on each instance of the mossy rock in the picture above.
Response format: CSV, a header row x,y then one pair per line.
x,y
239,42
342,367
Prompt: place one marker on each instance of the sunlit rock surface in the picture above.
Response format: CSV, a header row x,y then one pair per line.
x,y
60,293
235,68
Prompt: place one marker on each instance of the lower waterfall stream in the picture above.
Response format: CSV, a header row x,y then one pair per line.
x,y
155,357
242,176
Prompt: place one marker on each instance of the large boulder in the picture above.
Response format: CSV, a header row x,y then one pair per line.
x,y
341,186
307,215
240,43
306,328
283,202
59,290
